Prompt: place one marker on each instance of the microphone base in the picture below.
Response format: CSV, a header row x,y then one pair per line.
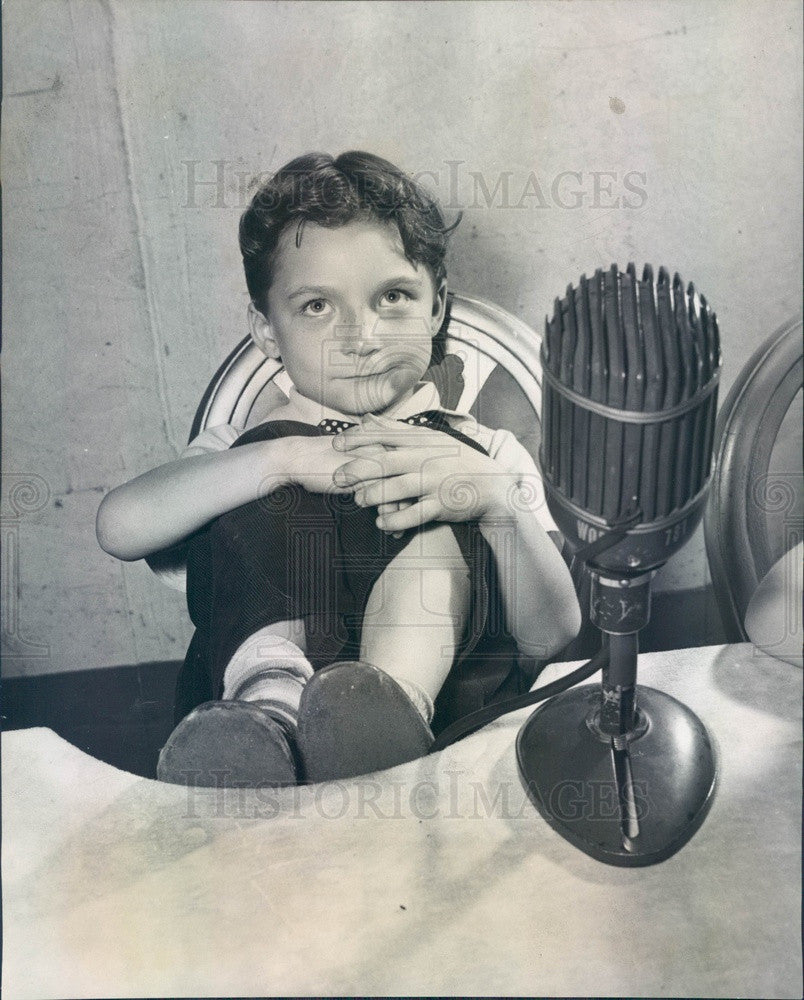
x,y
630,800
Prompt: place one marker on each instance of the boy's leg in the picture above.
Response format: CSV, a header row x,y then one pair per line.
x,y
375,713
416,614
270,668
252,575
249,737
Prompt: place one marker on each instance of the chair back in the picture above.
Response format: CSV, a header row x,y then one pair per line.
x,y
754,513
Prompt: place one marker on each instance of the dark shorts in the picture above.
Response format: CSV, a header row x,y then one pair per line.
x,y
294,554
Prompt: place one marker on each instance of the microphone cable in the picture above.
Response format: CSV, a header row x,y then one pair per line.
x,y
469,723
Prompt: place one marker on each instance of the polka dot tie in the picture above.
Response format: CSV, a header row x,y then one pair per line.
x,y
330,426
428,418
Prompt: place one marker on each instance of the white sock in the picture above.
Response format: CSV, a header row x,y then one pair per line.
x,y
271,670
420,698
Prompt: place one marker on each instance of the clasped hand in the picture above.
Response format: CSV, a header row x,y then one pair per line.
x,y
415,475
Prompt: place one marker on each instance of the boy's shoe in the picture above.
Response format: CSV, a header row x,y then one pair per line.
x,y
224,744
354,719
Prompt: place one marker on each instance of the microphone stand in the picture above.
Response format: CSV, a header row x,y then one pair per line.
x,y
630,372
624,772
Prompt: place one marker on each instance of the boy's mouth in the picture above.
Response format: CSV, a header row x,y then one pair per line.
x,y
397,377
381,388
371,374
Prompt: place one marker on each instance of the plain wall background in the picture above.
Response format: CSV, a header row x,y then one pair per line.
x,y
122,281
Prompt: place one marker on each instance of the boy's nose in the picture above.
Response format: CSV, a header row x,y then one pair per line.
x,y
359,337
359,348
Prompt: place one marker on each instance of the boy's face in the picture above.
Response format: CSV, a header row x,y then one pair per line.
x,y
350,316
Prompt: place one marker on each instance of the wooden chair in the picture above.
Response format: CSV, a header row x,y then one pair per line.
x,y
754,512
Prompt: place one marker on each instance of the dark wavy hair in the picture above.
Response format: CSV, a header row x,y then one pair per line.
x,y
332,192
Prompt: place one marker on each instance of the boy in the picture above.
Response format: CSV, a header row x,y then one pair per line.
x,y
357,550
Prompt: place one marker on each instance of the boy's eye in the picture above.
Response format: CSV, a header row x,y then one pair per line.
x,y
315,307
394,296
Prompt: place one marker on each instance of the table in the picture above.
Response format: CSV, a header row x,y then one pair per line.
x,y
437,877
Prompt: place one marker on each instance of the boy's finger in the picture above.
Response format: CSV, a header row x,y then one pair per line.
x,y
412,516
388,490
393,506
360,470
389,508
365,449
395,437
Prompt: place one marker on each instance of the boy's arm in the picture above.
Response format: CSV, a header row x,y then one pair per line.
x,y
541,606
541,603
161,508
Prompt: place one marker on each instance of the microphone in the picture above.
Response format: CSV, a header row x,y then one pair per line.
x,y
630,375
630,371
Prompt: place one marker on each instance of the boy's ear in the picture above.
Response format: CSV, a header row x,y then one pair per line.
x,y
261,332
439,306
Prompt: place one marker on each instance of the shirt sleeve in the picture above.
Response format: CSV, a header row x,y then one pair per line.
x,y
169,565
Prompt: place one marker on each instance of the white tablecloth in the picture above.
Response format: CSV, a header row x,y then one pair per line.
x,y
437,877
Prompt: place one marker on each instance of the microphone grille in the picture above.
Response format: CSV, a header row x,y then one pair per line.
x,y
631,365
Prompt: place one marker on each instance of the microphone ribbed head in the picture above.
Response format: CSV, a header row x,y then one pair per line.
x,y
629,396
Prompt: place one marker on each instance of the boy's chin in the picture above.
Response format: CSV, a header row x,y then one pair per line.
x,y
379,393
